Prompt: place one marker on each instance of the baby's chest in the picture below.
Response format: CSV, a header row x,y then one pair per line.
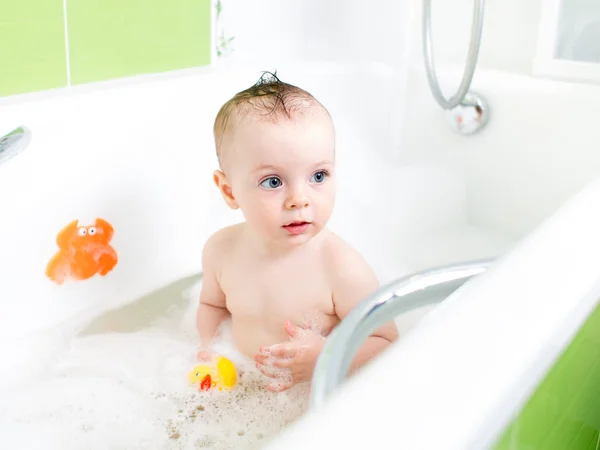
x,y
278,295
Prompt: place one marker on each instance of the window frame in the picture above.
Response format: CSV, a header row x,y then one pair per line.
x,y
545,64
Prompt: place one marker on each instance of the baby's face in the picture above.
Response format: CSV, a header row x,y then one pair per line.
x,y
282,175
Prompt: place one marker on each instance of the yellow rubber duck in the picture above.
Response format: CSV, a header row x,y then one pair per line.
x,y
221,374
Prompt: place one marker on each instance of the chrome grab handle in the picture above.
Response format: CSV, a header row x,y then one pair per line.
x,y
476,31
400,296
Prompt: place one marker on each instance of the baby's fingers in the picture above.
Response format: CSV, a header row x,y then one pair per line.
x,y
261,359
282,363
283,351
275,361
269,371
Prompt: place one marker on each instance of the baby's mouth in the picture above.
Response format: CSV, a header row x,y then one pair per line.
x,y
297,227
297,223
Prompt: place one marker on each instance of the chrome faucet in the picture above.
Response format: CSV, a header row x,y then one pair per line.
x,y
403,295
13,143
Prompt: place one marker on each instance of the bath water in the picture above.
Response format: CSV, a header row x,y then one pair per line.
x,y
122,384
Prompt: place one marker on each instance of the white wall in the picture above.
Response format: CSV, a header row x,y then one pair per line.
x,y
380,30
270,32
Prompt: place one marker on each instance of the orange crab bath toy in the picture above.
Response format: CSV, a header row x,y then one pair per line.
x,y
220,374
83,252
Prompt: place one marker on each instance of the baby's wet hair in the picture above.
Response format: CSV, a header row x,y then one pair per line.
x,y
269,99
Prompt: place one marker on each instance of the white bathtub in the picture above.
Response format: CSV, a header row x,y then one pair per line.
x,y
139,154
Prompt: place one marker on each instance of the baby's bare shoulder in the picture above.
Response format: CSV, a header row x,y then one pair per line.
x,y
221,243
352,278
345,263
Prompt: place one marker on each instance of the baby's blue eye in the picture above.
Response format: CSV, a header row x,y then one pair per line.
x,y
271,183
319,177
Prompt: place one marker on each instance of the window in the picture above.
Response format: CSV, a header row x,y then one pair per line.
x,y
569,40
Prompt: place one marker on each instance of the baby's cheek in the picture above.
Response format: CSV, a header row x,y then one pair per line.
x,y
326,203
266,210
272,215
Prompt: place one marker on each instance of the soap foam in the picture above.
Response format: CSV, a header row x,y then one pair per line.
x,y
130,391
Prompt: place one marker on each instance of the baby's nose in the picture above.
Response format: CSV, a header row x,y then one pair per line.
x,y
297,199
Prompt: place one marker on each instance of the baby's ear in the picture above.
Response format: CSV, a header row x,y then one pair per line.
x,y
107,229
225,188
65,235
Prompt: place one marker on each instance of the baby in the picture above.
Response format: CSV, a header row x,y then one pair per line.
x,y
282,277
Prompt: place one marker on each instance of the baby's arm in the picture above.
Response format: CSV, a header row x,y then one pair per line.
x,y
212,309
354,282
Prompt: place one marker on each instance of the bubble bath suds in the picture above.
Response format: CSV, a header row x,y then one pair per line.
x,y
129,390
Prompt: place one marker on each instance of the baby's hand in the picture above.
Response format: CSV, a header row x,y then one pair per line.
x,y
204,355
291,362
